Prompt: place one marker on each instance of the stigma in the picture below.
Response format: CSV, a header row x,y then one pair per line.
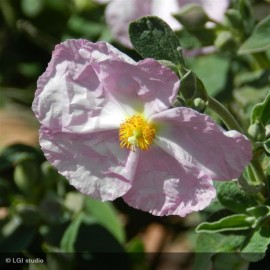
x,y
136,132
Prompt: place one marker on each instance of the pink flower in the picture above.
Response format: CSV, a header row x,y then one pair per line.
x,y
119,13
107,126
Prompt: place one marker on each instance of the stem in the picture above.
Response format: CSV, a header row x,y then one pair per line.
x,y
224,114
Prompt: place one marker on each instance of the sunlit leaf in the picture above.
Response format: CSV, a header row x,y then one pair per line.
x,y
106,215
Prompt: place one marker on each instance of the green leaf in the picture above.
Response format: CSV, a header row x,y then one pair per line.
x,y
229,223
69,238
217,242
207,245
261,111
266,146
246,11
225,261
106,215
260,212
215,75
203,261
152,37
84,234
220,261
247,95
257,244
259,40
233,198
233,19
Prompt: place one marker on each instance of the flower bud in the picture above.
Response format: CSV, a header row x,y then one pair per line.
x,y
257,131
192,16
199,104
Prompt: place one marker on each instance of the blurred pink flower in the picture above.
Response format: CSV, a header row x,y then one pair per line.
x,y
119,13
107,126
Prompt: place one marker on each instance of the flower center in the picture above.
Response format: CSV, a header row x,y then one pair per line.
x,y
136,132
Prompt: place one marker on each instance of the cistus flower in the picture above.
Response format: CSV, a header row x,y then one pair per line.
x,y
107,125
119,13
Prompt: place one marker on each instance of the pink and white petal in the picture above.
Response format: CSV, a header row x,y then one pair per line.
x,y
119,13
147,86
93,163
194,139
215,9
70,97
162,186
165,9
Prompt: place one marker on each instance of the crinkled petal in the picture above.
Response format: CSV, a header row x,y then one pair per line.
x,y
148,87
93,163
70,96
194,139
163,186
119,13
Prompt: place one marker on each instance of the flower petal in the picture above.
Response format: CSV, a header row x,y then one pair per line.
x,y
165,10
162,186
119,13
146,86
93,163
70,96
215,9
194,139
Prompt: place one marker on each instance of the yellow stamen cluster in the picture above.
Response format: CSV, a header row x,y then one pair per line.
x,y
136,132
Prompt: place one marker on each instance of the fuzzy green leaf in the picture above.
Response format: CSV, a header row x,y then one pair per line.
x,y
152,37
234,198
230,223
257,244
217,242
